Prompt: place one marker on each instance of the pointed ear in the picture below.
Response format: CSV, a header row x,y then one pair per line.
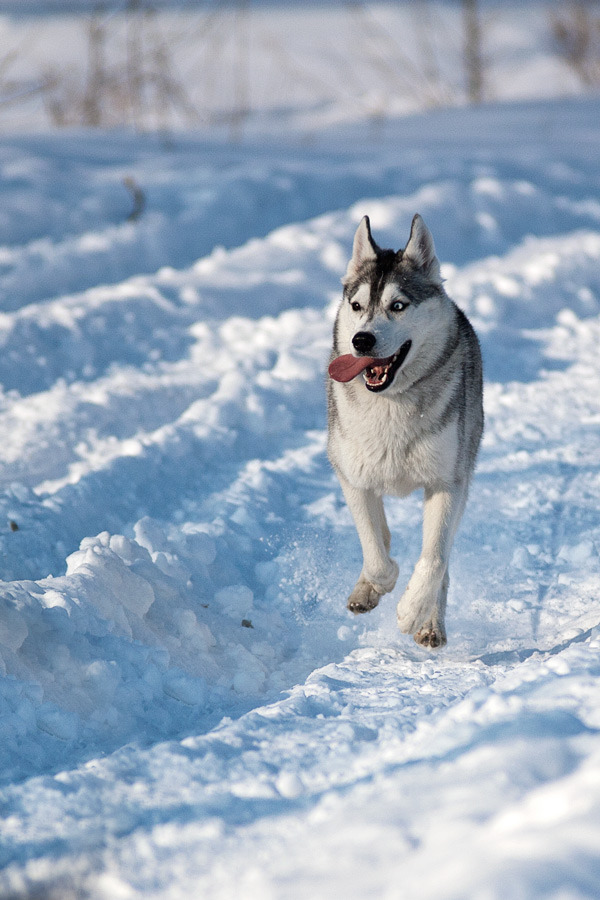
x,y
420,250
364,249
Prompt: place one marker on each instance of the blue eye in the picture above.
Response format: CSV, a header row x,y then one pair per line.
x,y
398,305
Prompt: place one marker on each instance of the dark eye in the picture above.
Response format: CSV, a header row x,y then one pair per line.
x,y
398,305
355,305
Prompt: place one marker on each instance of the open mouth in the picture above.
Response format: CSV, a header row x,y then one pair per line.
x,y
379,377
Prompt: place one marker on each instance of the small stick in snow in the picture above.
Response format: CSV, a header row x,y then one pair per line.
x,y
139,198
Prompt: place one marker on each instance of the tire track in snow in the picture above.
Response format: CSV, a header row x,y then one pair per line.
x,y
255,407
233,451
411,723
405,744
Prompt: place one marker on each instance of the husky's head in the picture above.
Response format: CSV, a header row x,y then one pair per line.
x,y
391,307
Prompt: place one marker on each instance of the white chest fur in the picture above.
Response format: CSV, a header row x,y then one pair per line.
x,y
387,445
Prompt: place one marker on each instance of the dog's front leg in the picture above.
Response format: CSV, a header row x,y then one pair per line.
x,y
422,607
379,572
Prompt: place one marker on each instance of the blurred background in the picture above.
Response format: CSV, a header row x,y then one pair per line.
x,y
235,66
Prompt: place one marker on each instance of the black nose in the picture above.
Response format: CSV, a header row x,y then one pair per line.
x,y
363,341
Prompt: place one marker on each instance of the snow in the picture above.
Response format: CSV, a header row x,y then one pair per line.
x,y
255,68
186,706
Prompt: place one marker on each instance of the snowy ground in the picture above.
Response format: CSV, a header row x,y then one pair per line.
x,y
187,709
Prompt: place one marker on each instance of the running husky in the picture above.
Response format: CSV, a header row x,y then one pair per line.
x,y
412,420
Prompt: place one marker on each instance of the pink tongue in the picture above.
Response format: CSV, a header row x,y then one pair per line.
x,y
347,367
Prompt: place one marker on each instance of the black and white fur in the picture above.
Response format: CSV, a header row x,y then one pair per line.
x,y
416,423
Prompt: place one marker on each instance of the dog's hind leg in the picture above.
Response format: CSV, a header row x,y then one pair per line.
x,y
379,572
422,607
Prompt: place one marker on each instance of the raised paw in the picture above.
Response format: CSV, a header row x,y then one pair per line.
x,y
418,608
431,636
363,598
413,616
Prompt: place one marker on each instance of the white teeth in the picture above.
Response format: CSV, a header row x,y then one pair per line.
x,y
374,379
382,379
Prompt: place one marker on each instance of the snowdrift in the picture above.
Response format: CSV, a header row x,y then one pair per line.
x,y
187,708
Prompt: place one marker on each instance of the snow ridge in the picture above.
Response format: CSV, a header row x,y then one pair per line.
x,y
187,709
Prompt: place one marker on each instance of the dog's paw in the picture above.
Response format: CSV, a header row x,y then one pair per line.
x,y
413,613
431,635
363,598
417,608
382,580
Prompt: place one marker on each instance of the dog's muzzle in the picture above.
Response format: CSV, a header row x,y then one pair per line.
x,y
378,373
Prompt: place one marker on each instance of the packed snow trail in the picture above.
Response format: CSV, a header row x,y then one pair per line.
x,y
187,707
